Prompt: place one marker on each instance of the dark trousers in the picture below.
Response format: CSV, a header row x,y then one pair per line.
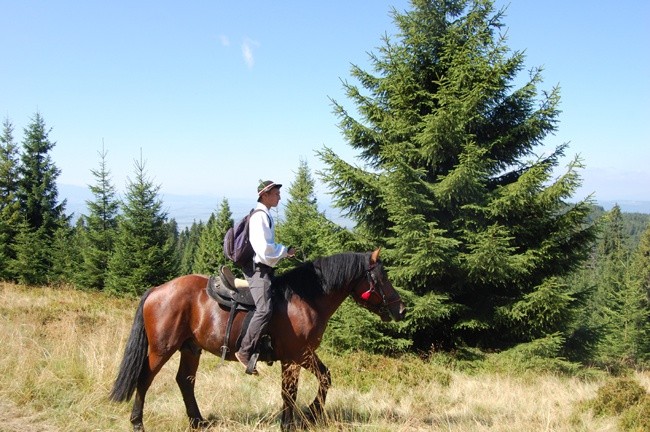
x,y
259,280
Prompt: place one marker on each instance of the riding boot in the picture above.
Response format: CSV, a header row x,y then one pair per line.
x,y
248,362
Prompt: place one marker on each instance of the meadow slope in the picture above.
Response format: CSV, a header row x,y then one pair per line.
x,y
60,350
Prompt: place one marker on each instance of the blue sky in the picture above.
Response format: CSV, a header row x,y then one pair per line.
x,y
217,94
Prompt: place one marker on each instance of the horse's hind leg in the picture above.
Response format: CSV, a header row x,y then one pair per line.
x,y
186,377
149,371
322,373
290,376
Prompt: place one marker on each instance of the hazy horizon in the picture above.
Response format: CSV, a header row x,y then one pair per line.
x,y
186,209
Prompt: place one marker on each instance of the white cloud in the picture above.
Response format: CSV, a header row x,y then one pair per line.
x,y
225,41
247,51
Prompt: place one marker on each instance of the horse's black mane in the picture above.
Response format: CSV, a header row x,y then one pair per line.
x,y
323,275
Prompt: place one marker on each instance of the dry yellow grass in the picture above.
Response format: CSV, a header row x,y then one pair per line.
x,y
60,350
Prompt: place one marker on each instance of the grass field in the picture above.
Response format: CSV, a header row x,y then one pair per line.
x,y
60,350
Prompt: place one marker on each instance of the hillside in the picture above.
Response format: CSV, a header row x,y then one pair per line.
x,y
60,350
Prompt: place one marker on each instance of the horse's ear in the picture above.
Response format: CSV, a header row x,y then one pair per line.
x,y
375,256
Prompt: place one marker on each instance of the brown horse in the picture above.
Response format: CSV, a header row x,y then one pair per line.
x,y
180,315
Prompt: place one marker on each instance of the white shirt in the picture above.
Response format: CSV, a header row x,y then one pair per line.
x,y
262,237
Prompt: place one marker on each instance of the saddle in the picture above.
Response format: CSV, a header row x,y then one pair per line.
x,y
234,294
229,291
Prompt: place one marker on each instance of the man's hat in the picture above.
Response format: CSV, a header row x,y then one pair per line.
x,y
266,186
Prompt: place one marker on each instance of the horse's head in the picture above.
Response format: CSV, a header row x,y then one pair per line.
x,y
377,294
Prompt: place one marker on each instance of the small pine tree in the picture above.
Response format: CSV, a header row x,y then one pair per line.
x,y
173,238
144,252
640,285
99,229
205,259
188,243
33,261
620,302
9,206
66,255
209,254
304,226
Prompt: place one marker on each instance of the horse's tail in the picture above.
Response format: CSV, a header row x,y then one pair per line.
x,y
135,355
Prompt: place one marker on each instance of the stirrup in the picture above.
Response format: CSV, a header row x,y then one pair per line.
x,y
250,369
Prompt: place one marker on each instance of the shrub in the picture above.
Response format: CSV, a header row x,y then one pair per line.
x,y
617,396
637,417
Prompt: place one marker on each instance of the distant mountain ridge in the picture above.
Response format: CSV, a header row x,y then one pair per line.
x,y
187,209
627,206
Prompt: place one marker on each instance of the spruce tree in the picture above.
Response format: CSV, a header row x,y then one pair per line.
x,y
640,281
209,256
33,263
473,222
99,229
66,254
9,206
38,192
38,197
188,244
173,240
304,226
620,301
143,253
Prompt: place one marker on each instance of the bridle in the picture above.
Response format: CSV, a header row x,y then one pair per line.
x,y
376,292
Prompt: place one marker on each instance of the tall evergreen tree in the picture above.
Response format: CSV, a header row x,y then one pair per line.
x,y
209,256
9,205
38,197
99,228
474,224
143,252
37,189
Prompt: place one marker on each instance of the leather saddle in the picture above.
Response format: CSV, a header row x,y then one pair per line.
x,y
229,291
234,294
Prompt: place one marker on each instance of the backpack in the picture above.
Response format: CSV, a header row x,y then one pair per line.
x,y
236,245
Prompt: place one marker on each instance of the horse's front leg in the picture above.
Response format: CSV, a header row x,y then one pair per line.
x,y
185,378
290,376
322,374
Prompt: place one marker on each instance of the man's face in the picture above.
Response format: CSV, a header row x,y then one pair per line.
x,y
271,198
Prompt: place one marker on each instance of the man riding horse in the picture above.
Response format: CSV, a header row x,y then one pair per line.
x,y
259,271
181,315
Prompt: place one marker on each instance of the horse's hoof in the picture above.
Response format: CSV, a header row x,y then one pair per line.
x,y
288,427
314,414
199,423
